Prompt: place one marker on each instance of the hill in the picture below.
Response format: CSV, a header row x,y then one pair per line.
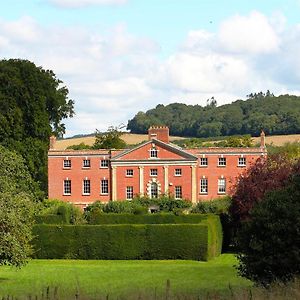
x,y
275,115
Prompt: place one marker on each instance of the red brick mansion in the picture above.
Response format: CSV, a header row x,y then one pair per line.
x,y
152,168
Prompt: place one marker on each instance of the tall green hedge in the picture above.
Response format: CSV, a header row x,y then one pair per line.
x,y
128,241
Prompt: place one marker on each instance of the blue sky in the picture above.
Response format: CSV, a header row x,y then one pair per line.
x,y
121,56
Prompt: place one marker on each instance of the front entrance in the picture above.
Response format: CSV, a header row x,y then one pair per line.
x,y
154,190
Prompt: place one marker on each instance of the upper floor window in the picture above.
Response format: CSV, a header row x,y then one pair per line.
x,y
67,163
86,187
242,162
203,186
178,192
222,161
153,172
203,161
129,192
178,172
221,185
86,163
104,187
67,187
129,172
104,163
153,153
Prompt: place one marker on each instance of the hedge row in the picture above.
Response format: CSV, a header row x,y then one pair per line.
x,y
160,218
129,241
50,219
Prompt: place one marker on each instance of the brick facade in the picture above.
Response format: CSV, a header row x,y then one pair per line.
x,y
152,168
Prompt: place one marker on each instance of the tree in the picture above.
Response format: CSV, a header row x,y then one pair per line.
x,y
269,242
17,194
33,103
110,139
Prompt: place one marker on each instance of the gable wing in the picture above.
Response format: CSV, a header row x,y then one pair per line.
x,y
164,152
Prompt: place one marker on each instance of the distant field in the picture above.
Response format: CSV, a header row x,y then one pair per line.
x,y
131,139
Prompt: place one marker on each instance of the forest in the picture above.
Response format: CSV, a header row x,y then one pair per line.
x,y
273,114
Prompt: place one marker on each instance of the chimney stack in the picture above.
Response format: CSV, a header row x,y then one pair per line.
x,y
52,142
159,132
262,139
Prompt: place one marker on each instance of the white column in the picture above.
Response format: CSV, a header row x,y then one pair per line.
x,y
194,184
114,184
141,171
166,179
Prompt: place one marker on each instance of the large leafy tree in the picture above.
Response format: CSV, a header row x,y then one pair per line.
x,y
110,139
33,103
18,192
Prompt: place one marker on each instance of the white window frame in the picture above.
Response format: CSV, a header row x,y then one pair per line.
x,y
67,164
204,186
178,192
104,163
129,192
242,162
222,186
222,162
153,172
86,187
202,160
129,172
67,187
104,187
153,153
86,163
178,172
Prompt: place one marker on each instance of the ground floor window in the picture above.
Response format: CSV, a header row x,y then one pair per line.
x,y
221,185
203,186
178,192
129,192
67,187
154,190
86,187
104,187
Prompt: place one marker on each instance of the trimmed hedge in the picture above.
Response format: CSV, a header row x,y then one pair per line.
x,y
160,218
49,219
129,241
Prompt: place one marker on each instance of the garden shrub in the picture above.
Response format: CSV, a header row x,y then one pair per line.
x,y
216,206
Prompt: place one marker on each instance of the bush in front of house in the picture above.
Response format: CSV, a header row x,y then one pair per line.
x,y
215,206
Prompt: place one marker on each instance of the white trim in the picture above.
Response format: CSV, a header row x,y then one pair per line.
x,y
153,163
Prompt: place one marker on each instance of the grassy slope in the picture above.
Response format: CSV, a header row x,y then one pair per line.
x,y
120,277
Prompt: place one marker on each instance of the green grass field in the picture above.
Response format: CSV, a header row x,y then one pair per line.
x,y
93,279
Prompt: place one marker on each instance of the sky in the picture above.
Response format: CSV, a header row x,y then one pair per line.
x,y
118,57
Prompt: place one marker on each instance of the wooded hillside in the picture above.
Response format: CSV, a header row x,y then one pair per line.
x,y
275,115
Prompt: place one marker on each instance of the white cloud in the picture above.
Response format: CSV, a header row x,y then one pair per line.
x,y
84,3
112,76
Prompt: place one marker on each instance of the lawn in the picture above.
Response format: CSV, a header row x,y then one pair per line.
x,y
114,278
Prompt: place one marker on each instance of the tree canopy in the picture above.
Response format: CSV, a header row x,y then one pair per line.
x,y
33,103
275,115
110,139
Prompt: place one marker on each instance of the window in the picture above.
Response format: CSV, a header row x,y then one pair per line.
x,y
203,186
203,161
67,163
104,187
129,192
222,161
86,187
153,153
104,163
222,186
129,172
178,172
86,163
178,192
242,162
67,187
153,172
154,190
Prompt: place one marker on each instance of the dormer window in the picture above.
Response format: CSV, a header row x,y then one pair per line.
x,y
153,153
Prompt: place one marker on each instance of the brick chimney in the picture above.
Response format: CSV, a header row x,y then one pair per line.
x,y
52,142
159,132
262,139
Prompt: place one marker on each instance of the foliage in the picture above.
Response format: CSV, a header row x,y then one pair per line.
x,y
266,174
291,150
276,115
33,104
81,146
269,242
233,141
167,241
59,212
17,195
215,206
110,139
